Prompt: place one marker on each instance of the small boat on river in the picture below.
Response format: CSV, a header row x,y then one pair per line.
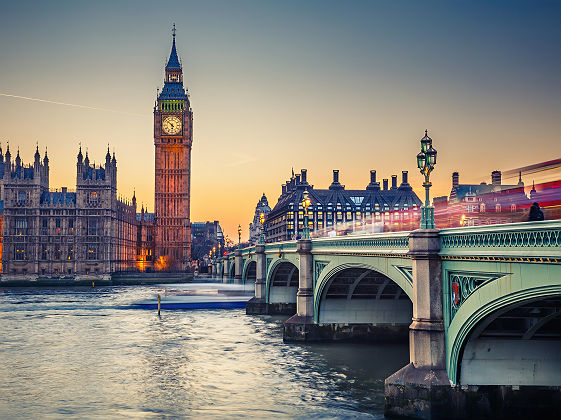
x,y
199,296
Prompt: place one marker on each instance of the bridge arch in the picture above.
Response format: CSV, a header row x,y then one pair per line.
x,y
250,272
231,269
347,292
482,351
335,267
282,282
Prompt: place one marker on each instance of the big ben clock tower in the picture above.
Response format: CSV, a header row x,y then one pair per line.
x,y
173,136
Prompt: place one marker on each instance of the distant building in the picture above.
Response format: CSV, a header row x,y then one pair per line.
x,y
205,236
61,232
337,205
255,226
482,204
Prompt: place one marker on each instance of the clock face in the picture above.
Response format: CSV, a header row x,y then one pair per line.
x,y
171,125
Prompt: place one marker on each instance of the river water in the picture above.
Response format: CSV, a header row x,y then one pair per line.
x,y
82,353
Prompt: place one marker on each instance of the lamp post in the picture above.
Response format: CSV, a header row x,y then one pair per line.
x,y
262,232
240,236
306,202
426,160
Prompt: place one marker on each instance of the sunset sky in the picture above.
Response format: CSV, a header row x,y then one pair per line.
x,y
320,85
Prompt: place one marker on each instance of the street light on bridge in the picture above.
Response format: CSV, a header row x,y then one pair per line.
x,y
240,236
426,160
262,233
306,202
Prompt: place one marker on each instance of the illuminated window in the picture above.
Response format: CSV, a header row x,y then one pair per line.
x,y
19,253
92,252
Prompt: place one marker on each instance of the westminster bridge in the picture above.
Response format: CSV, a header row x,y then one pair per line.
x,y
485,304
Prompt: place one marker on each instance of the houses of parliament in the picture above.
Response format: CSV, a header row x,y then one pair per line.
x,y
90,230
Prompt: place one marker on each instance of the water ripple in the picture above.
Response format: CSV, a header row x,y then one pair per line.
x,y
79,353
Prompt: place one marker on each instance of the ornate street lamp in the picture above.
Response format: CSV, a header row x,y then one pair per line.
x,y
219,254
306,202
214,251
262,232
240,236
426,160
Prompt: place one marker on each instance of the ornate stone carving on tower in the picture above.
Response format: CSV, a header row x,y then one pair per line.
x,y
173,136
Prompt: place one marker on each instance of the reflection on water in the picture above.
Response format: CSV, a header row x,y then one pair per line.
x,y
79,352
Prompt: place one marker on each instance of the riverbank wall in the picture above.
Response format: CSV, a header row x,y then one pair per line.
x,y
114,279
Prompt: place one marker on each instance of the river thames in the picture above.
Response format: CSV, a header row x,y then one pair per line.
x,y
84,353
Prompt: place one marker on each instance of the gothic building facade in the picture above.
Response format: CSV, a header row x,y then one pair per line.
x,y
61,232
173,136
47,232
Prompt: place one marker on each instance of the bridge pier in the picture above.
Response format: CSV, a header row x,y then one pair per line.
x,y
225,270
422,388
238,266
258,305
301,327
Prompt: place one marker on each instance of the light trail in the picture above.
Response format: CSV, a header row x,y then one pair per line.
x,y
7,95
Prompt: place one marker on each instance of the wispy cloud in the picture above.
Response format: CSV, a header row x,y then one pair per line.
x,y
240,159
7,95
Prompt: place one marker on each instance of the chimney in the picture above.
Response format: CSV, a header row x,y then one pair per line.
x,y
335,185
64,189
283,189
297,179
373,184
455,180
496,177
394,182
404,178
304,172
385,184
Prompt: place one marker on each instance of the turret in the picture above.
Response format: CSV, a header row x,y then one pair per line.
x,y
45,177
37,159
1,155
107,158
7,161
18,160
87,160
